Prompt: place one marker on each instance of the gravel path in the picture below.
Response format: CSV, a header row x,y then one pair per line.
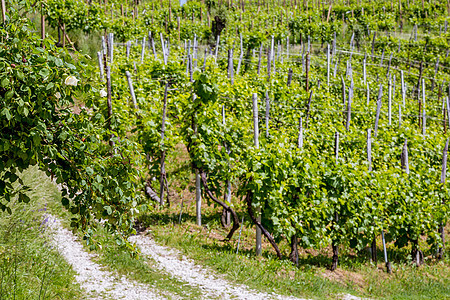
x,y
213,286
102,284
99,283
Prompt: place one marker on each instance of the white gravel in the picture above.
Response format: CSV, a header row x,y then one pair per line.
x,y
213,286
100,284
351,297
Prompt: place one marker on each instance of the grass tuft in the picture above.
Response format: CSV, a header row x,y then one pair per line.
x,y
29,266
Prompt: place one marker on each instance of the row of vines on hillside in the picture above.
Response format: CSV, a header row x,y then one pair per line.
x,y
332,131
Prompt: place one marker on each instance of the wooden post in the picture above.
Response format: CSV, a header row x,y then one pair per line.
x,y
194,52
112,12
110,47
329,12
377,118
415,32
349,107
230,66
443,176
109,102
198,198
415,253
328,65
3,11
198,194
403,88
336,146
279,53
369,149
104,49
300,134
226,215
388,264
216,51
404,157
128,49
130,85
351,45
303,57
287,48
163,151
307,72
267,114
444,163
390,101
100,65
334,45
163,48
336,214
335,68
308,49
343,90
269,64
142,50
308,107
448,109
424,117
373,246
364,69
191,70
42,25
256,143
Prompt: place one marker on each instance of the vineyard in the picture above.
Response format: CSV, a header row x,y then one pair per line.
x,y
323,125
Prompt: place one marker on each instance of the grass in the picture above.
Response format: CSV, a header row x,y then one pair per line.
x,y
312,279
141,269
29,267
266,273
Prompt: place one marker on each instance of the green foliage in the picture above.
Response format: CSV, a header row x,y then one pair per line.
x,y
75,14
40,128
